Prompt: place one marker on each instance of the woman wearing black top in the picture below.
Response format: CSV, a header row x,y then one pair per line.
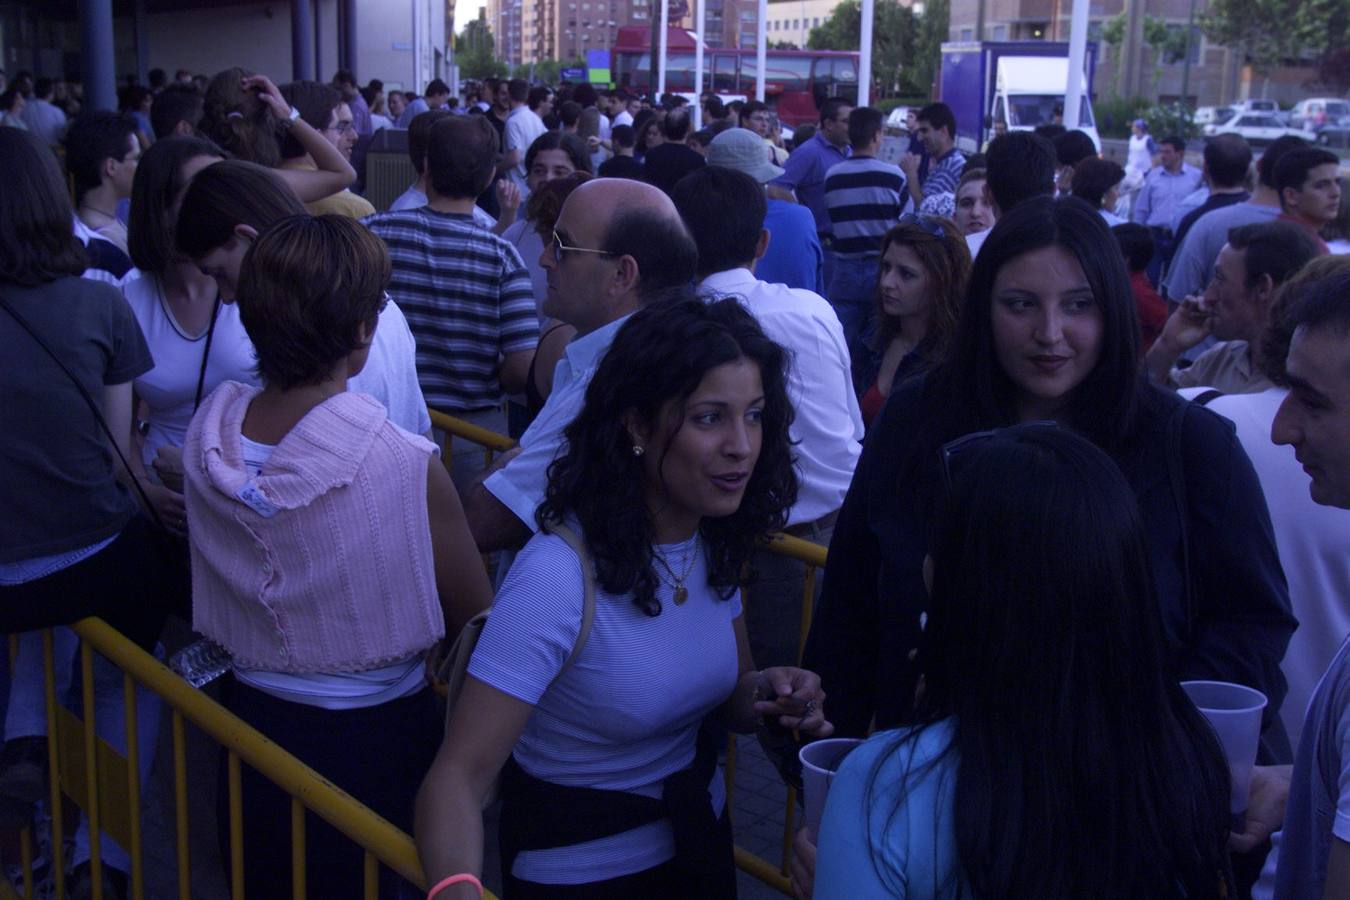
x,y
1049,331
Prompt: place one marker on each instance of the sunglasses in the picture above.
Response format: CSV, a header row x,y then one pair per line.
x,y
957,453
560,249
927,223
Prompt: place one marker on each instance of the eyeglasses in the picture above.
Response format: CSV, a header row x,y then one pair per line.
x,y
955,454
343,128
927,223
559,248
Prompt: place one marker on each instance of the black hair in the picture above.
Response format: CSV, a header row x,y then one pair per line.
x,y
623,136
677,125
1072,147
419,135
829,110
1020,165
724,211
716,108
176,103
864,124
436,86
573,146
462,153
749,109
91,138
1044,654
803,133
657,360
1050,130
1265,166
231,192
1093,178
315,101
156,78
641,123
37,244
518,89
1136,245
938,116
974,390
1323,305
344,76
1177,142
703,137
132,96
159,179
1272,351
585,95
569,113
1228,158
665,254
1275,249
42,88
537,96
1294,167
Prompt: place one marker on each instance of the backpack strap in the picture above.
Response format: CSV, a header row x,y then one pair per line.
x,y
1204,397
1176,477
588,576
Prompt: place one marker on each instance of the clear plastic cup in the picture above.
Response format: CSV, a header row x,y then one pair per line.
x,y
1234,712
820,760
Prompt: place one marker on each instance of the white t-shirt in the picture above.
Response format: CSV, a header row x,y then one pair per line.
x,y
1311,539
623,118
523,127
975,241
523,235
390,373
170,388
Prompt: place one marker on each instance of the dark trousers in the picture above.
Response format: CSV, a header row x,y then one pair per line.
x,y
378,755
127,584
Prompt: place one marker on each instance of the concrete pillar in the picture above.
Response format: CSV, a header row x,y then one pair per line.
x,y
318,36
302,41
97,69
347,53
140,27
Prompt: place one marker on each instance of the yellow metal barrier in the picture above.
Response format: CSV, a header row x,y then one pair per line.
x,y
813,556
92,777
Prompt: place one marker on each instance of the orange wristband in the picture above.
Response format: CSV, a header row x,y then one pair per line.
x,y
462,878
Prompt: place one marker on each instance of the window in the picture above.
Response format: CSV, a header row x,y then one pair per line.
x,y
967,34
1000,32
815,23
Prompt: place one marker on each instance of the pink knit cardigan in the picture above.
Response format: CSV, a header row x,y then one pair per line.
x,y
323,562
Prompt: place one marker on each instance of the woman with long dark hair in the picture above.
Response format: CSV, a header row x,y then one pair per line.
x,y
1052,752
1049,330
676,467
921,279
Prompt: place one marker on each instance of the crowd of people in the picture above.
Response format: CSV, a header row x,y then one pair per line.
x,y
1074,432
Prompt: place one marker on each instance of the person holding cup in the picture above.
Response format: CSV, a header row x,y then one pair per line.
x,y
677,466
1051,754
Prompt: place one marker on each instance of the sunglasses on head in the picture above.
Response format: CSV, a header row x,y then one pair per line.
x,y
957,453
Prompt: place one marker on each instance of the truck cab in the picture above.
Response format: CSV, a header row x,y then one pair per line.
x,y
1029,89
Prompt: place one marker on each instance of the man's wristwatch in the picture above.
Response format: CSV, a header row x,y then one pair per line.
x,y
290,120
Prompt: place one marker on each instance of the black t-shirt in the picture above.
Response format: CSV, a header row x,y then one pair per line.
x,y
621,167
57,476
665,165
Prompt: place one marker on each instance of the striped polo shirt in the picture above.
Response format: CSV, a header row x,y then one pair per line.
x,y
864,197
468,300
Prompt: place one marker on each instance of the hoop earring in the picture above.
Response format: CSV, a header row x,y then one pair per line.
x,y
638,450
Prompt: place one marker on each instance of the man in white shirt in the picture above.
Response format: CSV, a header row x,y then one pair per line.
x,y
724,210
618,244
619,103
523,126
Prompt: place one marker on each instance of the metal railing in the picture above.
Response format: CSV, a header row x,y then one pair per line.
x,y
812,556
106,786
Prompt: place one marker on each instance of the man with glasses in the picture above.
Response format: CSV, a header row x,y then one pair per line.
x,y
322,107
617,245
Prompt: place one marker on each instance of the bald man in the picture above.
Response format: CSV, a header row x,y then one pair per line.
x,y
618,245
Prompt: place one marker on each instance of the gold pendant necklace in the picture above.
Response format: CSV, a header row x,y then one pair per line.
x,y
681,592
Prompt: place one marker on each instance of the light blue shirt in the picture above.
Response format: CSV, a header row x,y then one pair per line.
x,y
1191,202
805,173
901,840
1162,192
520,484
1193,265
412,198
45,120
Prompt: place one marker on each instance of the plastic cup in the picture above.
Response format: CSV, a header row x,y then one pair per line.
x,y
1234,712
820,760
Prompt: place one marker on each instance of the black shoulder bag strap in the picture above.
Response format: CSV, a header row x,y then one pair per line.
x,y
206,353
93,407
1176,476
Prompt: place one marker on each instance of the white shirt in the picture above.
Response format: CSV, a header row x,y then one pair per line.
x,y
975,241
523,127
519,485
390,373
412,198
623,118
523,235
827,432
1311,540
170,388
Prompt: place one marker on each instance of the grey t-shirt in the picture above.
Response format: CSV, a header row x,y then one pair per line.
x,y
1319,793
57,476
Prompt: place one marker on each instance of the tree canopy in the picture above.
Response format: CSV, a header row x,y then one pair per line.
x,y
475,53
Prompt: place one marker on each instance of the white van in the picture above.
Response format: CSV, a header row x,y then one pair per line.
x,y
1027,90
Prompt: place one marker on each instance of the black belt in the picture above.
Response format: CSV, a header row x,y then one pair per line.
x,y
806,529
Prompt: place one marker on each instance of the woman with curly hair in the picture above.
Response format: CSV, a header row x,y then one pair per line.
x,y
676,467
921,279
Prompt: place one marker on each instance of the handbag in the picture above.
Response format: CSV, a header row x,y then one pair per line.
x,y
454,666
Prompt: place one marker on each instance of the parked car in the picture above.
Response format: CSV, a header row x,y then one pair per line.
x,y
1310,113
1334,134
1259,129
1209,115
895,122
1258,105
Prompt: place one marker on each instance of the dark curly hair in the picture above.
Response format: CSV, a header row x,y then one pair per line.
x,y
659,357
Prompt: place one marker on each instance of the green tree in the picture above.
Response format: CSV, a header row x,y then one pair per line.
x,y
1268,32
933,30
894,32
475,54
